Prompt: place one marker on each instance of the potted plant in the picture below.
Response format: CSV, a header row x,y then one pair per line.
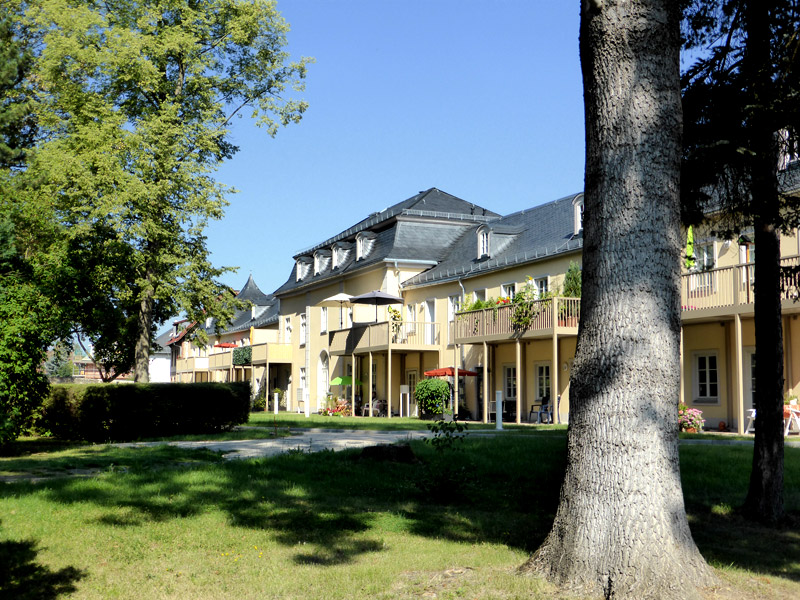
x,y
690,420
432,396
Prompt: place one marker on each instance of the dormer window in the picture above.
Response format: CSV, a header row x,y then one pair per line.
x,y
322,259
790,151
483,242
577,205
364,242
339,254
303,265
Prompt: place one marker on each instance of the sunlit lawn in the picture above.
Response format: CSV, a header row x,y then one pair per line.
x,y
328,526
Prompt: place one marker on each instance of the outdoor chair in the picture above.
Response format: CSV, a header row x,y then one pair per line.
x,y
543,410
792,422
751,421
378,409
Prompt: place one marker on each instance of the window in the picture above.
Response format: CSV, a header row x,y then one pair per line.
x,y
302,378
542,371
303,329
704,257
303,267
287,330
540,287
411,313
453,306
706,378
510,382
317,264
336,254
323,319
411,380
577,204
508,290
483,243
359,247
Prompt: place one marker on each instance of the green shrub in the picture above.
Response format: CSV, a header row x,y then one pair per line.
x,y
432,396
242,356
101,413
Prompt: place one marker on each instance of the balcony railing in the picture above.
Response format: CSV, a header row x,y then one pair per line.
x,y
499,321
380,336
194,363
730,286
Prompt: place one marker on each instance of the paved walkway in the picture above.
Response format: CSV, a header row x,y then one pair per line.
x,y
315,440
306,440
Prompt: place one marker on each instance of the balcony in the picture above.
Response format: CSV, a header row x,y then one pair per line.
x,y
221,360
192,364
729,290
545,317
272,353
380,337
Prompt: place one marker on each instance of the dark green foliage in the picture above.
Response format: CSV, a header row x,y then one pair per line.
x,y
243,355
446,434
101,413
432,396
17,124
573,281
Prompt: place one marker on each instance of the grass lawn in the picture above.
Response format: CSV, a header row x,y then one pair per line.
x,y
308,526
294,420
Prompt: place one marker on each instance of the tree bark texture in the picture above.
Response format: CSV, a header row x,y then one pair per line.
x,y
621,530
141,370
764,500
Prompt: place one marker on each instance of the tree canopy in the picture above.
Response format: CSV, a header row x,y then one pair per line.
x,y
136,103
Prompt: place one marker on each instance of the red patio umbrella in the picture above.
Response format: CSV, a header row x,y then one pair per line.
x,y
449,372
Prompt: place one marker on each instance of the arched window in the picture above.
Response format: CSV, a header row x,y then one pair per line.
x,y
577,204
483,242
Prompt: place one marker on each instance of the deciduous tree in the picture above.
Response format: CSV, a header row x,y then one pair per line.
x,y
137,99
621,529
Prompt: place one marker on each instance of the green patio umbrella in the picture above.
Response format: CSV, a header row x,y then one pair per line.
x,y
346,380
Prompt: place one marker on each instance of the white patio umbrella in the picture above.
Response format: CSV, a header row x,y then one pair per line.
x,y
341,299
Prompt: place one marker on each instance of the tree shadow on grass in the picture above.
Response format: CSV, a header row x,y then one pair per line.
x,y
731,540
22,578
334,507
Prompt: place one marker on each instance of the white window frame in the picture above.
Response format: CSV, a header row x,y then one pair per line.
x,y
537,288
510,382
453,306
578,214
706,397
508,290
303,329
323,319
483,243
705,248
539,391
287,330
303,379
335,258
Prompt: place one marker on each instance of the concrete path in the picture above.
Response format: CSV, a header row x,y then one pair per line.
x,y
315,440
306,440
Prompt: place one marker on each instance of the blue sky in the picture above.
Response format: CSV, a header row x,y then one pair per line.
x,y
480,99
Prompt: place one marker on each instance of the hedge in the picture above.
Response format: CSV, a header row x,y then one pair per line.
x,y
103,413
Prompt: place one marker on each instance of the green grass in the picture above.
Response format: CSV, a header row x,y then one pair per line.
x,y
329,526
314,421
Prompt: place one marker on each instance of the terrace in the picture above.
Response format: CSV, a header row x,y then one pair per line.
x,y
363,338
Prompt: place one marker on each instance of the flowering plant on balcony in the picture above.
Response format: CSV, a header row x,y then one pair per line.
x,y
504,300
690,418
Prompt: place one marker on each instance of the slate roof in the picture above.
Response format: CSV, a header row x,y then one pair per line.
x,y
267,308
526,236
420,228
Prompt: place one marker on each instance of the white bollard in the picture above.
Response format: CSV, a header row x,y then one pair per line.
x,y
275,402
498,409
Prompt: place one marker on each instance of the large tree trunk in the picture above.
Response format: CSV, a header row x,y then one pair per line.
x,y
621,528
765,494
141,369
